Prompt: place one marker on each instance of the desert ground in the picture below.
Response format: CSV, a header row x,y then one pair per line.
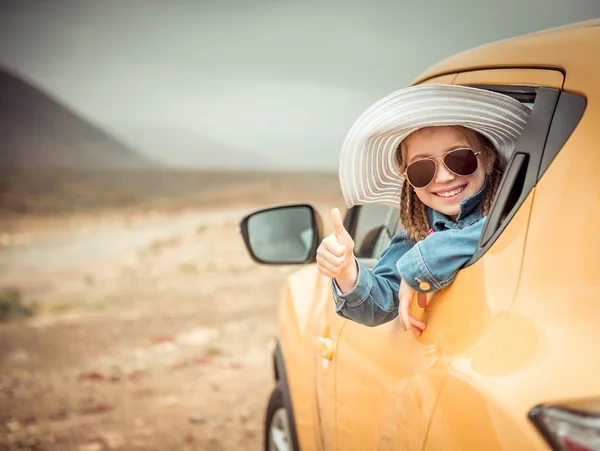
x,y
143,327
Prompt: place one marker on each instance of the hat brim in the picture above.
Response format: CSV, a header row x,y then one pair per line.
x,y
367,170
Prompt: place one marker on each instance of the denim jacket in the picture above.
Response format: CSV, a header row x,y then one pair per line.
x,y
426,266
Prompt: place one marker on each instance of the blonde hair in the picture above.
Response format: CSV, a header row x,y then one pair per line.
x,y
412,211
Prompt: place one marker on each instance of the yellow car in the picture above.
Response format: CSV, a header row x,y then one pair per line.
x,y
509,359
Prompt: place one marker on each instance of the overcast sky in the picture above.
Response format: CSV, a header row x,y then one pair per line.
x,y
249,83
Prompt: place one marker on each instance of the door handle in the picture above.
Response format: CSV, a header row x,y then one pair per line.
x,y
325,347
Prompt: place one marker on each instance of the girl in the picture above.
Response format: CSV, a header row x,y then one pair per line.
x,y
451,144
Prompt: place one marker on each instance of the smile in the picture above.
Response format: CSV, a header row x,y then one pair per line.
x,y
451,193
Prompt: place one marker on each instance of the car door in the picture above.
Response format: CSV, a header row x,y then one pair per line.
x,y
507,344
388,381
372,227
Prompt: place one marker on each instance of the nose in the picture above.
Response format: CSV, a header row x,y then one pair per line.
x,y
443,175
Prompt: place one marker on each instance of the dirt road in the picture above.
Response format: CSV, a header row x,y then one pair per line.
x,y
152,337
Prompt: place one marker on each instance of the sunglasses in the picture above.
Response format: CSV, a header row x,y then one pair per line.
x,y
461,162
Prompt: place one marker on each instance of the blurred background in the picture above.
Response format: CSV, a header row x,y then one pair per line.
x,y
134,136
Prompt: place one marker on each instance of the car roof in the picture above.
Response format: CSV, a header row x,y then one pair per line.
x,y
560,48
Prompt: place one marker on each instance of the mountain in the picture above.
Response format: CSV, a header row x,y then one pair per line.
x,y
38,131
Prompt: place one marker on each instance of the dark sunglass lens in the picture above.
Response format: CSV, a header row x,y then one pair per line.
x,y
461,161
421,173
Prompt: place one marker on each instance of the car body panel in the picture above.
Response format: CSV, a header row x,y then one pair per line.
x,y
303,321
447,79
386,380
501,338
520,77
560,289
399,375
541,350
553,49
489,346
468,416
548,339
388,369
299,306
328,328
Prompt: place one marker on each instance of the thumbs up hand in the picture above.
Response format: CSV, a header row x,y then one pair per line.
x,y
335,255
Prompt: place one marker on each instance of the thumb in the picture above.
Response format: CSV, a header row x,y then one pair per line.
x,y
338,225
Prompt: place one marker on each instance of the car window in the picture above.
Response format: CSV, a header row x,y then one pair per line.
x,y
374,229
372,226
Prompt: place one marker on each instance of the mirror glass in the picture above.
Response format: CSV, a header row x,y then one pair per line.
x,y
284,235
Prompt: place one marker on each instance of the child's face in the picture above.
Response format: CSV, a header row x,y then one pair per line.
x,y
447,190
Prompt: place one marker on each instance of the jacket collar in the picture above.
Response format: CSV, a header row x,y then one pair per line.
x,y
470,212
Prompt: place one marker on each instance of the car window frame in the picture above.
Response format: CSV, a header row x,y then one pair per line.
x,y
554,117
351,221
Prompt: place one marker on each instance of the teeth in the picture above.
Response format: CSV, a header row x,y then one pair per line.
x,y
454,192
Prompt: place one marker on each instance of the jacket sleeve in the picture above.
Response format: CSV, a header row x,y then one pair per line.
x,y
374,298
436,259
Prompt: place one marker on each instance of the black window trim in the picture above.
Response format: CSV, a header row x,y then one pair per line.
x,y
524,94
521,171
553,119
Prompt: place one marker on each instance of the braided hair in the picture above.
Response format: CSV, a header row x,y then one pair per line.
x,y
412,211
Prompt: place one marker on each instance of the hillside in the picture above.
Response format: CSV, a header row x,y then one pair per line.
x,y
37,131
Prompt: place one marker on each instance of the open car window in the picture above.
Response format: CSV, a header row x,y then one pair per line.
x,y
372,228
555,115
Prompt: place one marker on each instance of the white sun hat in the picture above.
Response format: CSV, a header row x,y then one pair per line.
x,y
368,171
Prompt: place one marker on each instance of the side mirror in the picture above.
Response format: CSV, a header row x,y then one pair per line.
x,y
283,235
